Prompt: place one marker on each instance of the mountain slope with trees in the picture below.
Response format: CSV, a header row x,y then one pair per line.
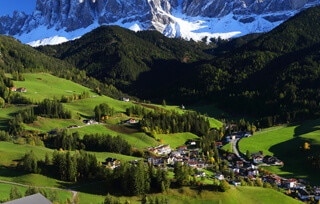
x,y
274,75
16,57
119,56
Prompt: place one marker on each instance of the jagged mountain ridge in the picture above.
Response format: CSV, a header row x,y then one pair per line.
x,y
166,16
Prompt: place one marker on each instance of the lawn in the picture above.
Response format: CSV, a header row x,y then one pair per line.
x,y
62,195
11,153
239,195
185,195
286,143
7,113
5,191
87,198
43,85
85,107
176,140
47,124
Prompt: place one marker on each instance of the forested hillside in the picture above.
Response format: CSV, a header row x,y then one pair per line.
x,y
119,56
276,75
17,57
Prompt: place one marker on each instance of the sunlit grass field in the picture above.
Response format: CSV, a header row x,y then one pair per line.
x,y
287,144
176,140
185,195
43,85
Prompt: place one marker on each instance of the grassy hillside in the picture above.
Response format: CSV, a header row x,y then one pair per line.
x,y
43,85
239,195
61,195
287,143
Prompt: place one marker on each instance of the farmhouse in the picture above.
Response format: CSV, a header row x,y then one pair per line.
x,y
162,149
257,157
272,161
220,177
290,183
218,144
125,99
131,121
111,163
22,90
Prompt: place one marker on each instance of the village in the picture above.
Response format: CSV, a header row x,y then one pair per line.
x,y
163,156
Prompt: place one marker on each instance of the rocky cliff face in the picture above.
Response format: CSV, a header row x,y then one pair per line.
x,y
71,15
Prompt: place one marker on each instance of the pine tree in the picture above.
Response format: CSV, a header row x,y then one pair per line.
x,y
15,193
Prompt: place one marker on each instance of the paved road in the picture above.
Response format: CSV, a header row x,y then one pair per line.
x,y
235,149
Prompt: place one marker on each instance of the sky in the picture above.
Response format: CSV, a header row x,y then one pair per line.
x,y
8,6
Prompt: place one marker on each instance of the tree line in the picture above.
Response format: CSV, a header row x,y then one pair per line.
x,y
89,142
165,122
102,112
63,165
130,178
46,108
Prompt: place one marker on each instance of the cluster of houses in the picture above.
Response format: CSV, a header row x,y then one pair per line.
x,y
163,155
259,159
250,170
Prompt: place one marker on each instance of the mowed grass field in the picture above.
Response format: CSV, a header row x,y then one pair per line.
x,y
176,140
61,195
43,85
7,113
238,195
287,144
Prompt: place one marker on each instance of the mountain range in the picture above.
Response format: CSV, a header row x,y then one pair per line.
x,y
54,21
272,74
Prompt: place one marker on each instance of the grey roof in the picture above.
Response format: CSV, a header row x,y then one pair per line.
x,y
32,199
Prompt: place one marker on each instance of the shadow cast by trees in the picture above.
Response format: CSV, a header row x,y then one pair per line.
x,y
296,157
307,127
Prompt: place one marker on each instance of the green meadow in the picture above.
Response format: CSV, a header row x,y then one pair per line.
x,y
238,195
287,144
7,113
176,140
43,85
61,195
185,195
11,153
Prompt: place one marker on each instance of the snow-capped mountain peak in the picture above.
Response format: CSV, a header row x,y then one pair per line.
x,y
57,21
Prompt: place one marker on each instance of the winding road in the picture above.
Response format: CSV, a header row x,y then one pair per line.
x,y
235,148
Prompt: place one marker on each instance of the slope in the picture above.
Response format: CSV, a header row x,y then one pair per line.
x,y
119,56
17,57
274,75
